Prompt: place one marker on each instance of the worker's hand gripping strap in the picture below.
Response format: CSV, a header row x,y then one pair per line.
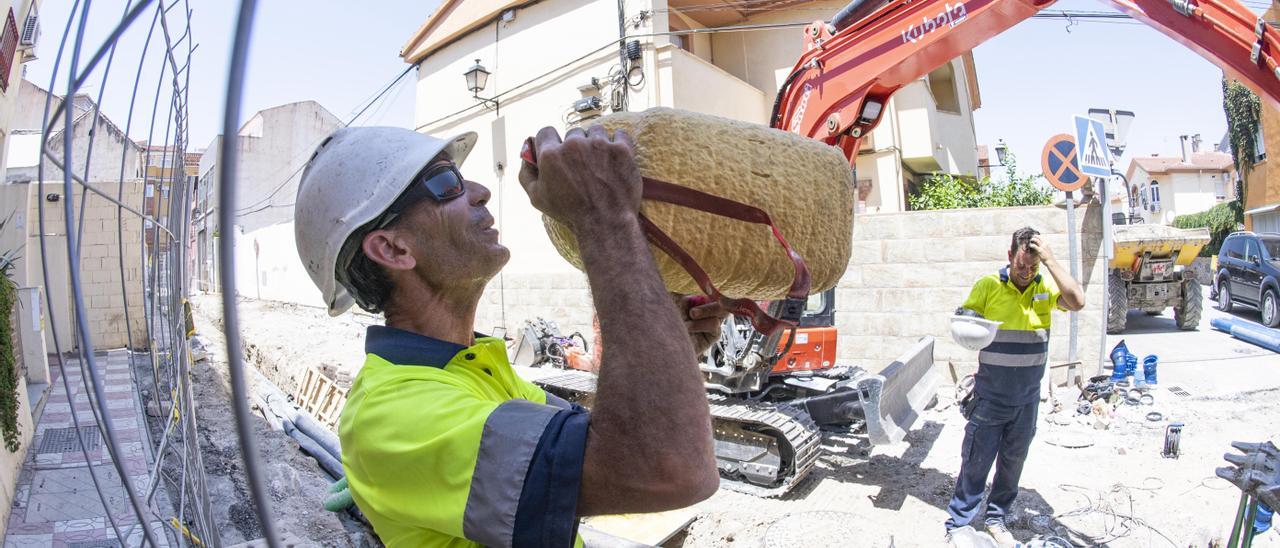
x,y
661,191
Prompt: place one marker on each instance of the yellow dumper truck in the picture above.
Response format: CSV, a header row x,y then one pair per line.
x,y
1151,271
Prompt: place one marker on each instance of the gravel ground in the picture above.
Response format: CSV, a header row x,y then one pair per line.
x,y
1115,491
296,484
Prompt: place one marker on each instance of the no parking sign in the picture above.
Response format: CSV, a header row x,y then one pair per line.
x,y
1060,163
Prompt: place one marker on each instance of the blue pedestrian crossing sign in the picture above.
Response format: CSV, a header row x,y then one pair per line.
x,y
1091,147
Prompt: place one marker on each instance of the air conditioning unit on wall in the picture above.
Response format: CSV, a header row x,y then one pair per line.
x,y
30,31
29,36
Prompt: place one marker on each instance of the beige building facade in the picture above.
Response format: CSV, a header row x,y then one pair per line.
x,y
1161,188
275,144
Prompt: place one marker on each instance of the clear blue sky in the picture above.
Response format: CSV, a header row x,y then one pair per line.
x,y
339,53
1037,75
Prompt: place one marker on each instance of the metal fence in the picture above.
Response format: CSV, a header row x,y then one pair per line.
x,y
178,466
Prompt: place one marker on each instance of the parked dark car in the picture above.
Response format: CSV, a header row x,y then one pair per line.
x,y
1248,270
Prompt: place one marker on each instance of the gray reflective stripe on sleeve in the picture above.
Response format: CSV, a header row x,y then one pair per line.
x,y
511,435
1012,348
556,401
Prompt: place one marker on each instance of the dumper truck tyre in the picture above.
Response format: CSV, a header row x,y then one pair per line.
x,y
1118,293
1270,308
1187,314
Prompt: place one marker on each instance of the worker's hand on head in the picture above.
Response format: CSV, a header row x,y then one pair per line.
x,y
589,177
1039,248
702,318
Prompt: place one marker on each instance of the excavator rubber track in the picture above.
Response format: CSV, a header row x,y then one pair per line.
x,y
785,438
798,439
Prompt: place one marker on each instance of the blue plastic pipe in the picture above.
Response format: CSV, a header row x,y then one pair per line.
x,y
1249,332
1226,323
1262,336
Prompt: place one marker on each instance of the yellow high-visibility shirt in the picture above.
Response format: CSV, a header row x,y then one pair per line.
x,y
443,445
1010,368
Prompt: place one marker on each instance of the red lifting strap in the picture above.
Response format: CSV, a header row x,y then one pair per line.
x,y
662,191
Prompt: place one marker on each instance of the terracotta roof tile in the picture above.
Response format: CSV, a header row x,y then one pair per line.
x,y
1215,161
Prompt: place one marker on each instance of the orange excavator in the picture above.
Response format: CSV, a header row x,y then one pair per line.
x,y
772,394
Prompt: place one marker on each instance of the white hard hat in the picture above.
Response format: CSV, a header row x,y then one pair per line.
x,y
972,332
350,180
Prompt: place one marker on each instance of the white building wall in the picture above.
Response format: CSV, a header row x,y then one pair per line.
x,y
205,224
274,145
10,97
494,162
268,267
1180,193
1195,192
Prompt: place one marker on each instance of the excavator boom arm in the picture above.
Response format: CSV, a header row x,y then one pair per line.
x,y
837,91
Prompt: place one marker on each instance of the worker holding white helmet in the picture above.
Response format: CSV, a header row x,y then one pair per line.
x,y
1006,318
441,440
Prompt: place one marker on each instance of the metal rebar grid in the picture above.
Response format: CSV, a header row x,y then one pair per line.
x,y
228,158
158,286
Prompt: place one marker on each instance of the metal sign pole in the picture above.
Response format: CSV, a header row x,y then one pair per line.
x,y
1105,256
1072,355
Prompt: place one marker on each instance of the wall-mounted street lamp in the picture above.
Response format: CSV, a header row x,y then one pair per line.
x,y
1002,153
477,77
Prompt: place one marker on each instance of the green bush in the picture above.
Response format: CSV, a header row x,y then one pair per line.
x,y
951,192
8,358
1221,220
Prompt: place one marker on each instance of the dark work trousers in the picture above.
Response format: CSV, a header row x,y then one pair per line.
x,y
996,433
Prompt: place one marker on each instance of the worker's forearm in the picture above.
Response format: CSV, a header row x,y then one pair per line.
x,y
1072,293
650,418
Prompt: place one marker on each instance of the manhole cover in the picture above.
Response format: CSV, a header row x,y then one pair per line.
x,y
819,528
63,440
1178,391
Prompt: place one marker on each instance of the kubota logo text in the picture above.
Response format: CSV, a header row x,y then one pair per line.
x,y
950,17
799,115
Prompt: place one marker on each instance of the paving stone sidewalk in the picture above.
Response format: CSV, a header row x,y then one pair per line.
x,y
55,503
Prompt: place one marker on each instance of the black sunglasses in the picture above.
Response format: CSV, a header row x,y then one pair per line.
x,y
440,181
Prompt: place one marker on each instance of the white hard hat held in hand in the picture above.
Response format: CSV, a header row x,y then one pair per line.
x,y
350,180
972,331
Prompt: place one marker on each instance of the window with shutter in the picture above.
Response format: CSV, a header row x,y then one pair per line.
x,y
8,47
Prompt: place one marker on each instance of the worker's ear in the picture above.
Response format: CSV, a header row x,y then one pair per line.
x,y
389,249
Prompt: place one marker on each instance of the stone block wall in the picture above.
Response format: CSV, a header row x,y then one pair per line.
x,y
512,298
908,273
99,264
